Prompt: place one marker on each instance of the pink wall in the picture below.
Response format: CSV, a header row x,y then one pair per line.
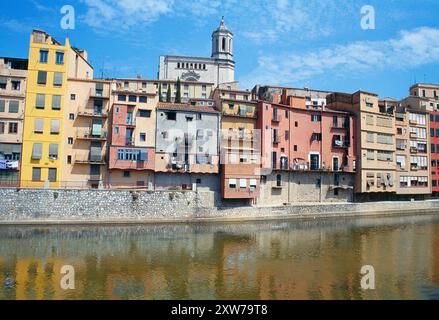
x,y
301,135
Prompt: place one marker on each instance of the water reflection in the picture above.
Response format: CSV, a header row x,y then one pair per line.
x,y
270,260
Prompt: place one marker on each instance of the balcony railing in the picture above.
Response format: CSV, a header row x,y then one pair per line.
x,y
90,135
99,94
90,159
92,113
340,144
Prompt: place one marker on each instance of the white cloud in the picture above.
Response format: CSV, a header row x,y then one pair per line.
x,y
411,49
124,14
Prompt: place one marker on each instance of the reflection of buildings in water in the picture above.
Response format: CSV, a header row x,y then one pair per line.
x,y
435,255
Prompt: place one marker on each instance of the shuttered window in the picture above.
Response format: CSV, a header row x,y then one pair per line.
x,y
36,174
57,79
42,77
56,102
38,125
54,126
53,151
52,174
37,151
41,101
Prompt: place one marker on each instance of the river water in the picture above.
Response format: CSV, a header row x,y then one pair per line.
x,y
318,259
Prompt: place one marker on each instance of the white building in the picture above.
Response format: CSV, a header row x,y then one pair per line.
x,y
218,69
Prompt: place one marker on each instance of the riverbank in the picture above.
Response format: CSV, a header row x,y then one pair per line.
x,y
31,206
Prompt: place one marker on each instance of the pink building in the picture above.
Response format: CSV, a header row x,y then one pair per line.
x,y
298,138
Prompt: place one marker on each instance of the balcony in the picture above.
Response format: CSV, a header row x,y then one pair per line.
x,y
340,144
89,135
130,123
276,119
97,160
98,94
92,114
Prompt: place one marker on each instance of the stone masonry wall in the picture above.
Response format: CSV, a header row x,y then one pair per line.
x,y
82,206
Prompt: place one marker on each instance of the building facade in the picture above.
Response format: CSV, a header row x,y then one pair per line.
x,y
427,95
219,68
375,143
13,78
240,145
187,146
307,154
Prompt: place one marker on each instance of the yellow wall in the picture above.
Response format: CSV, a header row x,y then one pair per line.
x,y
31,113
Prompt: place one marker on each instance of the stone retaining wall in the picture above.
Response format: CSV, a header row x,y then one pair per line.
x,y
82,206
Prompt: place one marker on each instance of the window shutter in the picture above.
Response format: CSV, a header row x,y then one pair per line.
x,y
13,106
97,128
54,126
53,150
56,102
57,79
243,183
37,151
42,77
143,156
41,101
99,86
39,125
95,151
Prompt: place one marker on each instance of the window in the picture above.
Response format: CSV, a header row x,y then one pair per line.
x,y
53,151
132,98
116,130
431,132
13,106
437,133
370,155
242,183
52,174
432,148
36,174
315,161
54,126
37,150
279,180
434,183
316,117
56,102
145,113
232,183
2,105
15,85
57,79
13,127
117,110
384,156
436,118
73,97
143,99
70,140
2,127
370,137
41,101
369,120
253,184
3,83
38,125
69,159
171,116
42,77
142,137
287,135
199,116
44,55
144,85
121,97
126,85
126,174
295,147
59,57
400,162
71,116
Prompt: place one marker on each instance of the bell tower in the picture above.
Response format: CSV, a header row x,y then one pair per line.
x,y
222,43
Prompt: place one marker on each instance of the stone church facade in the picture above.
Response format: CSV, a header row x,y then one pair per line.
x,y
218,69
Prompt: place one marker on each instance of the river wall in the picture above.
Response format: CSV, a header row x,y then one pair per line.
x,y
123,206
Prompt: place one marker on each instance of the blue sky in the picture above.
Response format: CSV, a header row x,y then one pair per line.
x,y
315,43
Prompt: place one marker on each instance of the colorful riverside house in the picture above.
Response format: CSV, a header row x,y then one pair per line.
x,y
375,144
240,145
132,133
187,155
307,152
412,147
428,96
13,77
85,135
45,126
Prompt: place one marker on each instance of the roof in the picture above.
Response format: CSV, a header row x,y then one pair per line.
x,y
185,107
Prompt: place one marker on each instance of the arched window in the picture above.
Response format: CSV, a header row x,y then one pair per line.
x,y
224,44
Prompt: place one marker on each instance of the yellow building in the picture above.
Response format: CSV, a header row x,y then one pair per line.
x,y
50,65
